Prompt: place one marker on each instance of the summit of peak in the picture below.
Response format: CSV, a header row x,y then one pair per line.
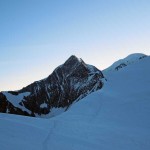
x,y
73,60
73,57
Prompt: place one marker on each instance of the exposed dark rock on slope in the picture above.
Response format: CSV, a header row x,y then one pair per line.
x,y
7,107
68,83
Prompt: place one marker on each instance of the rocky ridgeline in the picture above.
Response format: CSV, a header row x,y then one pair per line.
x,y
68,83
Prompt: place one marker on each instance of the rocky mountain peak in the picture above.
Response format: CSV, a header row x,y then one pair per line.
x,y
68,83
73,61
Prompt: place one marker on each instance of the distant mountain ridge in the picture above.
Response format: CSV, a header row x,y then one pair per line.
x,y
68,83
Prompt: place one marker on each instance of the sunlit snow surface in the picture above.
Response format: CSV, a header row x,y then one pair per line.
x,y
114,118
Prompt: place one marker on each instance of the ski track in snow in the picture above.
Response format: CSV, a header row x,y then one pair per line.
x,y
49,136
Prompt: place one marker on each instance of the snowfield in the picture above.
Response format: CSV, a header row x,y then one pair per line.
x,y
116,117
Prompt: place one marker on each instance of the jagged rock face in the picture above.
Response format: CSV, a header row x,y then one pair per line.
x,y
68,83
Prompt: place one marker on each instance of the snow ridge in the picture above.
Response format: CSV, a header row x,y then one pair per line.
x,y
130,59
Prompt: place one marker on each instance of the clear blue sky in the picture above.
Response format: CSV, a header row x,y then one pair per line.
x,y
38,35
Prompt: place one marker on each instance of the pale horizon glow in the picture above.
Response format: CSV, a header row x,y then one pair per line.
x,y
37,36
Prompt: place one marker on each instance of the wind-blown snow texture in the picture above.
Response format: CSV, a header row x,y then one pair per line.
x,y
114,118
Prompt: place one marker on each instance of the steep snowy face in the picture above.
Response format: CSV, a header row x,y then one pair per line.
x,y
68,83
131,59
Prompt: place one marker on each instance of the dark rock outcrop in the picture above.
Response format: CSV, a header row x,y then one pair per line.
x,y
122,65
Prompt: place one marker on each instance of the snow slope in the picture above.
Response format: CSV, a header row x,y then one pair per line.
x,y
114,118
130,59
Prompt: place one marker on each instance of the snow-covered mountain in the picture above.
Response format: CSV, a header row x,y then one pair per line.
x,y
117,117
68,83
130,59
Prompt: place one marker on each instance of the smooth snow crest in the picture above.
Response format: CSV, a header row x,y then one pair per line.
x,y
130,59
